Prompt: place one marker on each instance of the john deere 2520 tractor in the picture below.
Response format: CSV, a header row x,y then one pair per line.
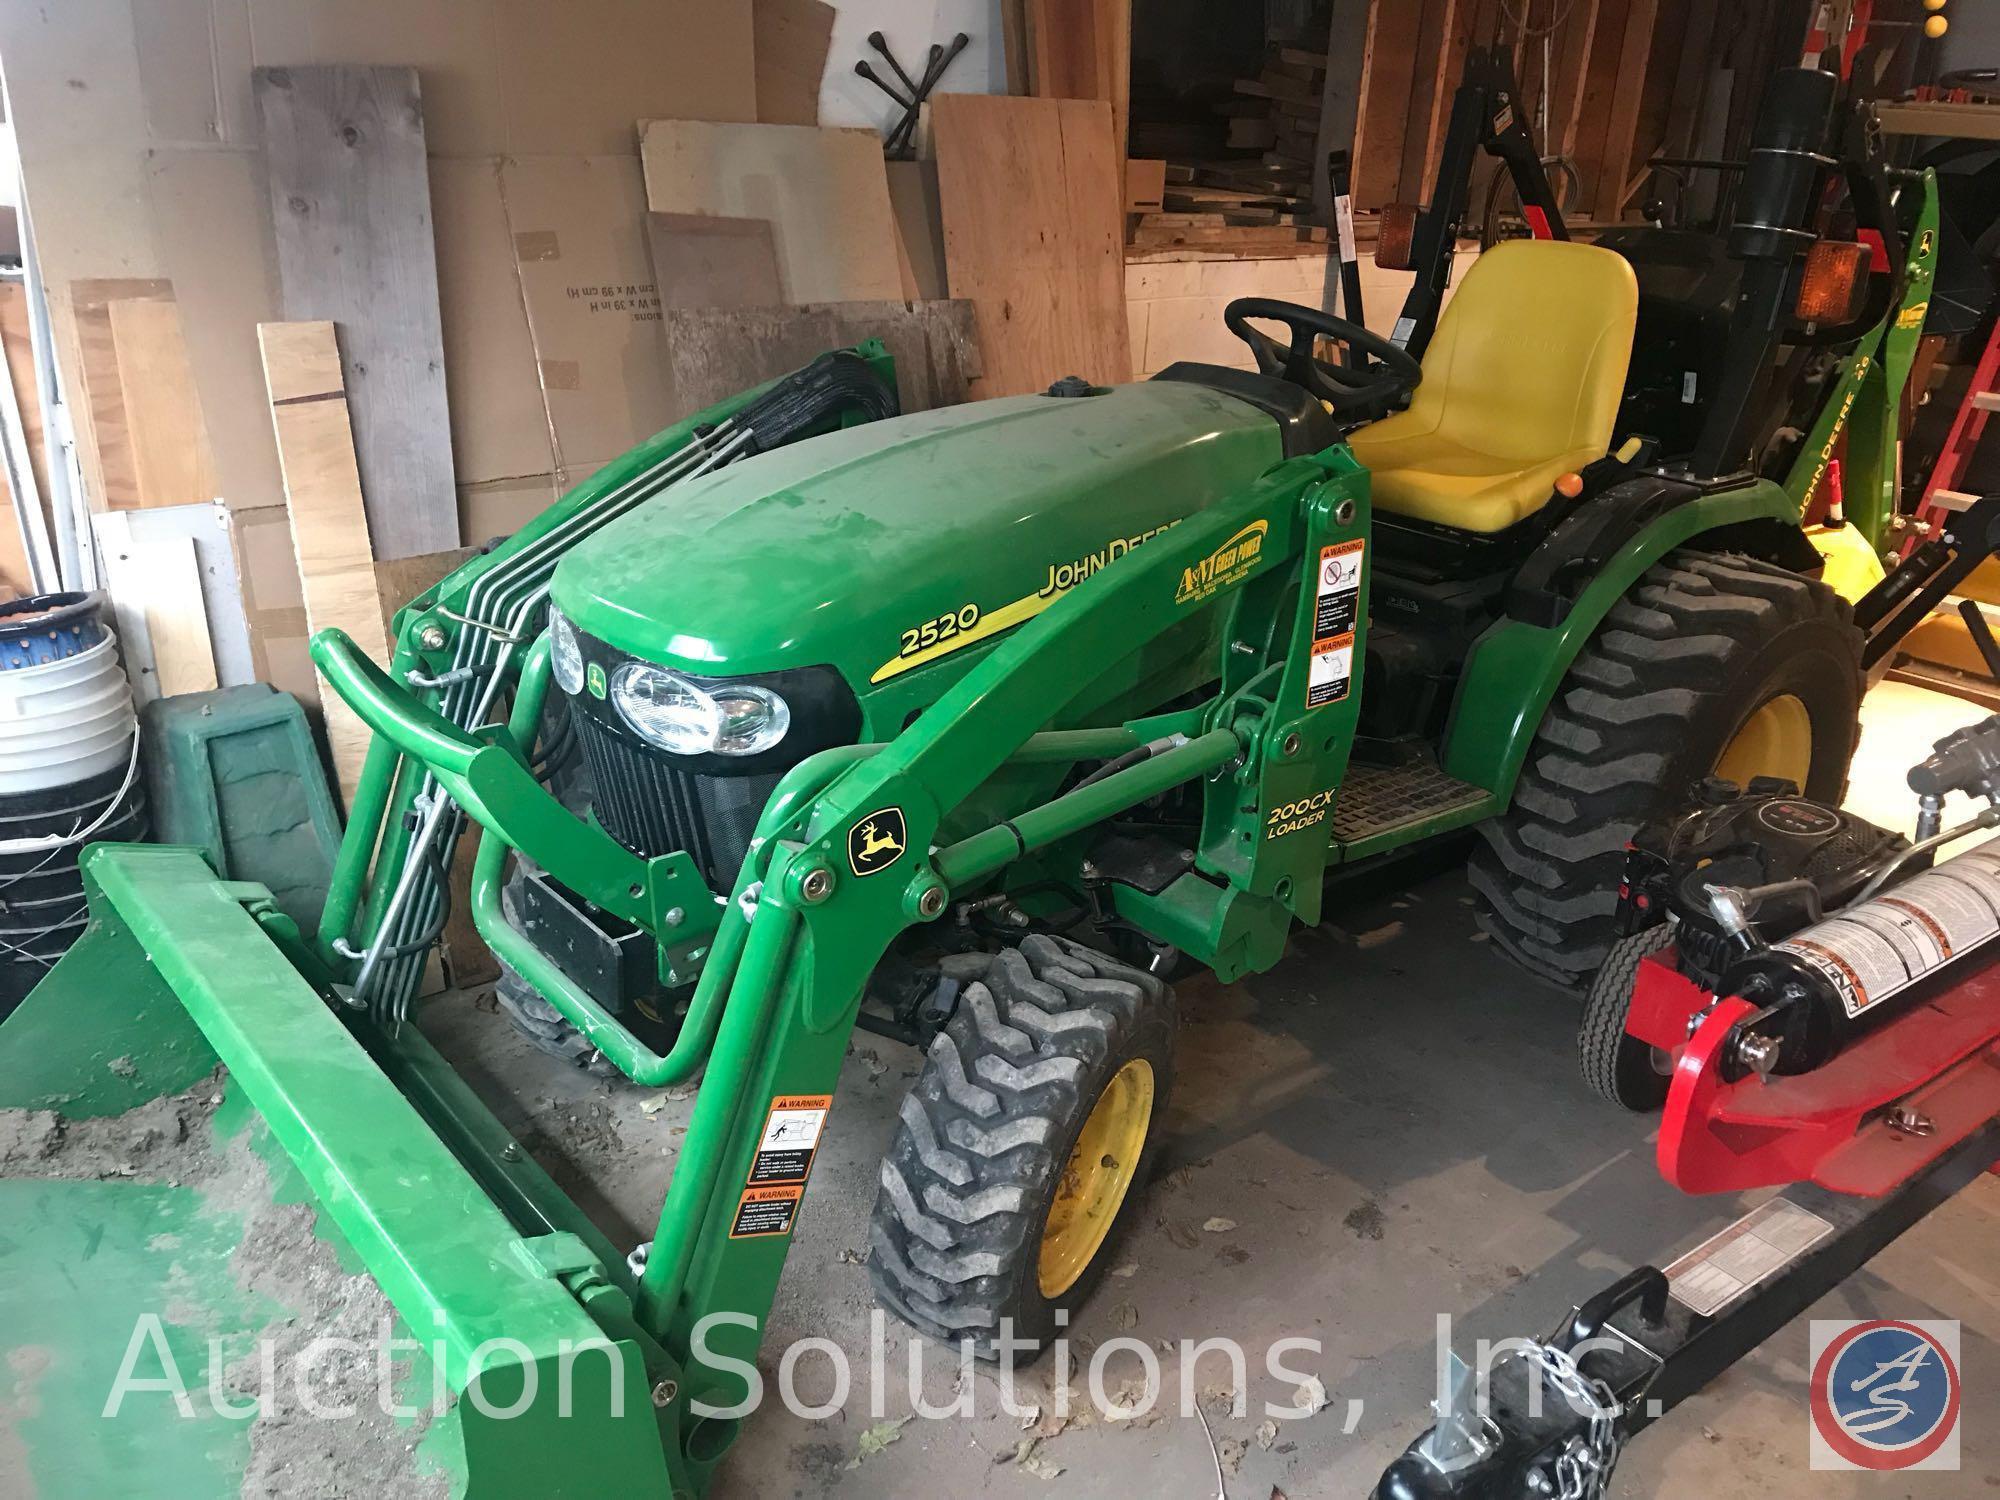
x,y
958,726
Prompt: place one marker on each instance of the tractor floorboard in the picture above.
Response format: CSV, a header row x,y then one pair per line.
x,y
1379,799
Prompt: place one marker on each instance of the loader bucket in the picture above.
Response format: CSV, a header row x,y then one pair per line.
x,y
200,1158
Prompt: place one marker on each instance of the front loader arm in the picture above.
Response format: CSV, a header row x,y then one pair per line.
x,y
821,894
819,925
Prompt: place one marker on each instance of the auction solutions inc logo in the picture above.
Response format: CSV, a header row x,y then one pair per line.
x,y
1885,1394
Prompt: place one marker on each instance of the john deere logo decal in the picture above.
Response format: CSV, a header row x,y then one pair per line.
x,y
877,841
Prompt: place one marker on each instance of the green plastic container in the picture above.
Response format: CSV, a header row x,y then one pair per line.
x,y
236,773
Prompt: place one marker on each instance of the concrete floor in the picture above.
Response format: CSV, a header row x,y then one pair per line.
x,y
1393,1122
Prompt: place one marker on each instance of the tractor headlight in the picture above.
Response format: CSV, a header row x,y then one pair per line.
x,y
753,718
565,655
668,710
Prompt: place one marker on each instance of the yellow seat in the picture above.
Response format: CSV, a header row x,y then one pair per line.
x,y
1521,386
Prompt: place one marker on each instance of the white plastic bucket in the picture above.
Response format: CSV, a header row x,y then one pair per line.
x,y
65,720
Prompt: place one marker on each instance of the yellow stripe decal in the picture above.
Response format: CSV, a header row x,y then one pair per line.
x,y
1006,617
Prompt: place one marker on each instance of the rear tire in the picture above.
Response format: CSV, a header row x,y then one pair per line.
x,y
1680,665
988,1145
1618,1066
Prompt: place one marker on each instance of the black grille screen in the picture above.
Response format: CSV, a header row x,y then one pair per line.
x,y
651,807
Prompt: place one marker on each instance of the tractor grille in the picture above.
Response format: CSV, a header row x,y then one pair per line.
x,y
652,807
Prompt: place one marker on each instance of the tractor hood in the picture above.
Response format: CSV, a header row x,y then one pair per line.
x,y
886,547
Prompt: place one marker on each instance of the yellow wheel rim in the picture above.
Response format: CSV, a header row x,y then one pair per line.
x,y
1097,1177
1776,740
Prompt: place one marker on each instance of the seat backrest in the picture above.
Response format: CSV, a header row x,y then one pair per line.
x,y
1529,357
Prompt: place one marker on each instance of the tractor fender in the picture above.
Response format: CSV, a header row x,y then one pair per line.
x,y
1515,667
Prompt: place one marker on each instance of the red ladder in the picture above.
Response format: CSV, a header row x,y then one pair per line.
x,y
1941,495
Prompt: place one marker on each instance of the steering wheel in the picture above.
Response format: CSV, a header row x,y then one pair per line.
x,y
1384,375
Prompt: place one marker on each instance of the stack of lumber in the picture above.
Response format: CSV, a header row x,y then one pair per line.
x,y
1244,206
1262,197
1277,112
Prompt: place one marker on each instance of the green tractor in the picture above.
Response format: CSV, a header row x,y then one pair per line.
x,y
967,728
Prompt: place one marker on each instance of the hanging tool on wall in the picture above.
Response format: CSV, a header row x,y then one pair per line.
x,y
900,144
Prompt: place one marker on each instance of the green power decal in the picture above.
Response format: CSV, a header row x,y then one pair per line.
x,y
1228,563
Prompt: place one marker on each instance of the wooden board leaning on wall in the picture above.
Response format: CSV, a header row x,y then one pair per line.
x,y
152,443
330,529
717,352
350,202
824,191
1034,237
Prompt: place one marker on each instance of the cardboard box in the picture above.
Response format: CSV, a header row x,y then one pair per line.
x,y
551,323
1145,185
578,77
791,39
274,607
586,277
499,424
502,507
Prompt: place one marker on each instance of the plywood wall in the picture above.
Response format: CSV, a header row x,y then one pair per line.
x,y
142,166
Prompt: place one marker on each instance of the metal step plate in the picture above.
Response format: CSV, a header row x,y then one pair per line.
x,y
1376,799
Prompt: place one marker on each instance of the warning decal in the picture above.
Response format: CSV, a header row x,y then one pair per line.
x,y
1338,589
1765,1240
766,1211
791,1136
1979,871
1863,966
1330,670
1336,606
1871,951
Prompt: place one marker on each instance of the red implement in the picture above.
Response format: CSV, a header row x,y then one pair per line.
x,y
1890,1104
1663,1001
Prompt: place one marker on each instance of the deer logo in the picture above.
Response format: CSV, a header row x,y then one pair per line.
x,y
877,841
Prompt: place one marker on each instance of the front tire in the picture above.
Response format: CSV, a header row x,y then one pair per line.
x,y
1710,665
1615,1064
544,1027
1023,1146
